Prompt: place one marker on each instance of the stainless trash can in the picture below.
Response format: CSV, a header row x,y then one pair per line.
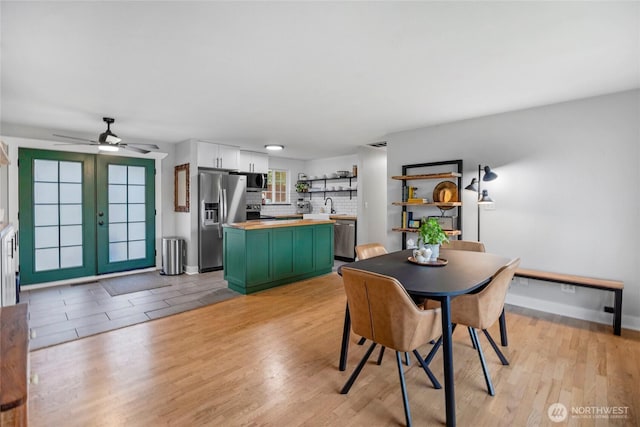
x,y
172,255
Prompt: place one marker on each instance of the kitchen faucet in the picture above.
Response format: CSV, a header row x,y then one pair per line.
x,y
325,203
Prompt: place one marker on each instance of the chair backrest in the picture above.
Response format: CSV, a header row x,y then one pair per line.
x,y
464,245
369,250
382,311
481,310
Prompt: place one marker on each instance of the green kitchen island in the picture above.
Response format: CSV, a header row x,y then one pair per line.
x,y
263,254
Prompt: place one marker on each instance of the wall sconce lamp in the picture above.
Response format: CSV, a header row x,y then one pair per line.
x,y
483,195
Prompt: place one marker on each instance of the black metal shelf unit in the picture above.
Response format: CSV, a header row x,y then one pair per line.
x,y
456,166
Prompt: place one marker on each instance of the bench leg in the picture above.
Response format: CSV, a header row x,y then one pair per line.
x,y
503,329
617,312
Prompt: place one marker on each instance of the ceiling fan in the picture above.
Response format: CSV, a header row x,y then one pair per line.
x,y
109,141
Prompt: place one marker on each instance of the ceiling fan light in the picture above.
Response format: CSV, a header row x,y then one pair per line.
x,y
274,147
105,147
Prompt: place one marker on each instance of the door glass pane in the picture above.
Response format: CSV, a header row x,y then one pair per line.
x,y
117,174
45,215
136,230
136,194
70,214
46,259
117,212
45,170
70,172
71,235
45,192
57,194
136,212
117,232
46,237
136,175
71,256
70,193
117,194
117,252
137,249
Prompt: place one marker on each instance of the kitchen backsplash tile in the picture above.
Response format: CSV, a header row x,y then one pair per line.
x,y
341,203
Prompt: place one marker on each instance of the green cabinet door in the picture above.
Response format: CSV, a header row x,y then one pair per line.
x,y
257,257
283,252
303,250
323,247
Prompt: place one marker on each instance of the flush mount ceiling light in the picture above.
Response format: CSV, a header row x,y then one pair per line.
x,y
274,147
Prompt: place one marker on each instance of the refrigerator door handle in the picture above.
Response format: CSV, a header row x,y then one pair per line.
x,y
223,211
202,217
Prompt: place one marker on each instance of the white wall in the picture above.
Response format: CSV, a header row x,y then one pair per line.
x,y
567,196
372,197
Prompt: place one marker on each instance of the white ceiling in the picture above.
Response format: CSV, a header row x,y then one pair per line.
x,y
319,77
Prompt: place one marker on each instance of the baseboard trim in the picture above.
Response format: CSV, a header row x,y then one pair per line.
x,y
628,322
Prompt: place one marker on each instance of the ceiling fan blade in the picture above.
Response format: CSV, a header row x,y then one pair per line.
x,y
136,149
77,139
154,146
78,143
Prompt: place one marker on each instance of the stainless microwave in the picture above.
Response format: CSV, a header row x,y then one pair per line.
x,y
255,181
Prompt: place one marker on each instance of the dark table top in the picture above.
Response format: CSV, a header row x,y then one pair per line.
x,y
464,272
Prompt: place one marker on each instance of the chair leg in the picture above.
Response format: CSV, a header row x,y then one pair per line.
x,y
379,362
405,399
485,370
436,346
432,377
473,343
356,372
496,348
406,359
362,341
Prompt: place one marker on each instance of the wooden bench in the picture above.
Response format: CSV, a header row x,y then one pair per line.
x,y
614,286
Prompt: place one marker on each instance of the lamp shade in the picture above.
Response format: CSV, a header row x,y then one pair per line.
x,y
485,199
489,175
473,186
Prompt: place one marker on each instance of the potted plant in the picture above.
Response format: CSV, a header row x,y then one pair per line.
x,y
302,187
431,235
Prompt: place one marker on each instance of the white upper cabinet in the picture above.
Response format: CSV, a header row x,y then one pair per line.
x,y
251,161
218,156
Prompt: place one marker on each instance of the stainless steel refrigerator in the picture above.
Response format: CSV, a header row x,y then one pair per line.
x,y
222,200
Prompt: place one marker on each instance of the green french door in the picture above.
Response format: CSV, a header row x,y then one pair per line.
x,y
84,214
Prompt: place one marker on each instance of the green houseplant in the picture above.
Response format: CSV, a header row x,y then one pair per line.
x,y
432,236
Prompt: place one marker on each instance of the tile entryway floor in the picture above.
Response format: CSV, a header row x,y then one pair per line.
x,y
65,313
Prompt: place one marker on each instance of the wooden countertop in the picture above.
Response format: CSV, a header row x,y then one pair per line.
x,y
259,225
351,217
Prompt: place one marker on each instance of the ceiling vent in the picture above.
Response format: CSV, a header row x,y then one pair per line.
x,y
381,144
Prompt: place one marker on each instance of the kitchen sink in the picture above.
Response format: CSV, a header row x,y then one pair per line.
x,y
319,216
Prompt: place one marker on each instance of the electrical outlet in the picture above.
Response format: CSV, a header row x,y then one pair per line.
x,y
568,289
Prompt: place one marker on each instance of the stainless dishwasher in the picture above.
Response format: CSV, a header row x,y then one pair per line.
x,y
344,236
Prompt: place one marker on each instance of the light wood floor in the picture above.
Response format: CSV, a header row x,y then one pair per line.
x,y
271,359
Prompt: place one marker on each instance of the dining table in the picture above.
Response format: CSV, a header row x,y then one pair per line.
x,y
459,272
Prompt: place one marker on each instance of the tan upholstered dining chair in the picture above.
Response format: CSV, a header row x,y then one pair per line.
x,y
480,311
369,250
464,245
383,312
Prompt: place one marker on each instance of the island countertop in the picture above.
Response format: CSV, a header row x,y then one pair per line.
x,y
260,225
332,216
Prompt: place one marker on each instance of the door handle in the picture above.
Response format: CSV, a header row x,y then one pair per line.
x,y
100,213
100,222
